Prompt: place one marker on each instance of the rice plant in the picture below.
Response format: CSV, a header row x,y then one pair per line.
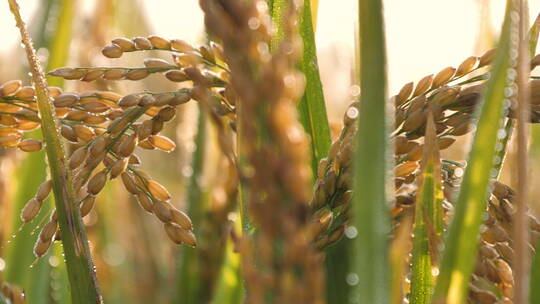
x,y
260,197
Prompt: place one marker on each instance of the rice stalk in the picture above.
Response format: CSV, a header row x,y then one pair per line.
x,y
370,275
458,258
80,266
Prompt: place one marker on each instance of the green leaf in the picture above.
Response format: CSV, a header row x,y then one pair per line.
x,y
370,273
428,213
460,246
312,107
534,297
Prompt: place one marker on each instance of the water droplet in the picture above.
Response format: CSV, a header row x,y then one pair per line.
x,y
351,232
352,279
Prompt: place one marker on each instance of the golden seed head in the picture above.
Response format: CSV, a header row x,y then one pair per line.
x,y
127,145
155,63
98,146
48,231
30,210
145,129
158,190
41,248
129,183
95,107
162,210
181,219
44,190
466,66
405,168
163,99
68,73
487,58
78,157
77,115
445,142
10,88
181,46
84,132
145,202
180,98
167,113
446,96
136,74
87,204
142,43
414,121
129,100
68,133
114,74
147,101
423,85
97,182
112,51
10,141
124,44
162,143
176,75
443,77
134,160
54,92
179,235
30,145
404,93
119,167
159,42
26,93
92,75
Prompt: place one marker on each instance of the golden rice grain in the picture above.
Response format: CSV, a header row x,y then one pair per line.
x,y
30,210
145,202
487,58
10,88
162,143
30,145
181,46
125,44
404,93
112,51
142,43
119,167
423,85
466,66
443,77
179,235
84,132
127,145
48,231
155,63
162,210
159,42
129,183
87,204
40,248
405,168
97,182
158,190
114,74
44,190
181,219
176,76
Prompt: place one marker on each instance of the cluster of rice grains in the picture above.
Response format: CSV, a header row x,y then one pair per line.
x,y
278,261
104,129
451,96
13,293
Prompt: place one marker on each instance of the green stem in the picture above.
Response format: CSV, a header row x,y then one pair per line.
x,y
81,270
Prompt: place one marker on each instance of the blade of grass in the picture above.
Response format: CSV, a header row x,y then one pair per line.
x,y
81,271
460,252
534,296
428,211
312,107
188,274
229,288
370,261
